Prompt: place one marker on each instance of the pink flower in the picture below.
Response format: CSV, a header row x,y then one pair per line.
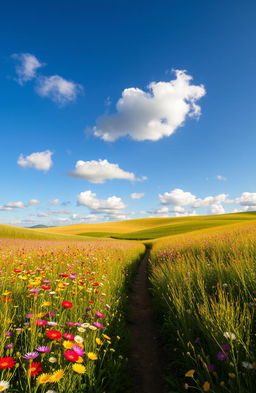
x,y
78,350
98,325
99,315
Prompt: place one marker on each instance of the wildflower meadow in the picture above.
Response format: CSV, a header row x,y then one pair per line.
x,y
62,314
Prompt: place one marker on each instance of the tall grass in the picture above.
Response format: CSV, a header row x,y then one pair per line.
x,y
205,291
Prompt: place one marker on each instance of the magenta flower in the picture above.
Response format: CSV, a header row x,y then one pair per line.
x,y
222,356
78,350
43,349
31,355
99,315
98,325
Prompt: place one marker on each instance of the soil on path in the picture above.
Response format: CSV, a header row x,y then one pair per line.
x,y
146,354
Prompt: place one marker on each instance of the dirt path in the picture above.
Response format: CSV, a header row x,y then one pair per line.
x,y
146,355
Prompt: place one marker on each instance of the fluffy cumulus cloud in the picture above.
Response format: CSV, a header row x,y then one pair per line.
x,y
179,198
112,205
152,114
247,199
27,66
58,89
41,161
100,171
136,195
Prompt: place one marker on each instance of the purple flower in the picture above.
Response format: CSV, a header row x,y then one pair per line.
x,y
225,347
88,309
98,325
43,349
210,367
35,290
8,334
85,315
8,346
78,350
31,355
222,356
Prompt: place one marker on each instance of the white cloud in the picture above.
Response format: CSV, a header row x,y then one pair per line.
x,y
216,208
12,205
33,202
27,67
54,201
220,178
100,171
152,114
58,89
177,197
111,205
41,161
211,200
135,195
247,199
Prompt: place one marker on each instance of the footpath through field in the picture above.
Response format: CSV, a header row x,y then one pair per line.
x,y
146,353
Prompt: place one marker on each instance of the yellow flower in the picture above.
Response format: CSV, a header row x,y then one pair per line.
x,y
6,293
98,341
43,378
206,386
68,344
57,375
190,373
46,304
92,356
80,360
105,336
79,368
231,375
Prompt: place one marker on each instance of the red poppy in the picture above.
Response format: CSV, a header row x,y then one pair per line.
x,y
7,299
45,287
17,271
95,284
7,362
67,304
53,334
71,355
35,368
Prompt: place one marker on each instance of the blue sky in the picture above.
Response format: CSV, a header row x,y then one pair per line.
x,y
64,68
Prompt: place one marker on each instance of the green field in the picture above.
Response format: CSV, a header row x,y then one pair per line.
x,y
150,228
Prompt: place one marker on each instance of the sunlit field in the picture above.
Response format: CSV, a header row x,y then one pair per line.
x,y
204,287
62,310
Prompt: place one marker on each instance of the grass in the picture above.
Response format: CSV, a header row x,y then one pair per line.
x,y
12,232
204,286
149,228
